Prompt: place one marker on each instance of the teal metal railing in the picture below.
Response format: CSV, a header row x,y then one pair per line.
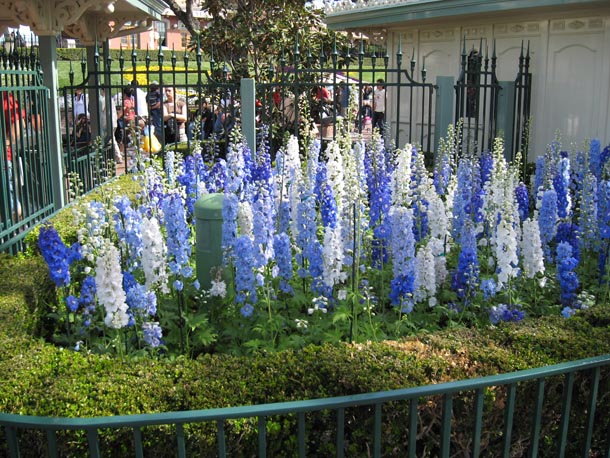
x,y
591,435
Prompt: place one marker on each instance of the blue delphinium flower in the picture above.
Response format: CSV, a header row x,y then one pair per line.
x,y
466,278
57,255
605,157
306,236
326,198
442,174
218,177
547,221
378,181
246,310
540,174
566,275
603,209
72,303
128,226
178,233
230,205
595,158
402,246
522,197
488,287
87,299
486,166
142,303
245,282
283,258
152,334
263,214
189,179
505,312
569,232
561,184
462,201
588,218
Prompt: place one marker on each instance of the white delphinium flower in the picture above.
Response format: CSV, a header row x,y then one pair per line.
x,y
332,255
154,255
301,324
401,178
245,219
318,303
109,289
92,224
531,249
289,179
335,174
424,286
437,248
438,219
506,251
218,288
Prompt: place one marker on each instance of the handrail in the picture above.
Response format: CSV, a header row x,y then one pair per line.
x,y
219,415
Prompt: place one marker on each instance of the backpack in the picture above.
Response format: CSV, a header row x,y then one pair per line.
x,y
171,130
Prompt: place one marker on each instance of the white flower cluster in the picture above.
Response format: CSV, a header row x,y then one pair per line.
x,y
401,177
154,252
108,283
531,249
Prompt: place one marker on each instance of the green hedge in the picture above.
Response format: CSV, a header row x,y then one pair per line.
x,y
41,379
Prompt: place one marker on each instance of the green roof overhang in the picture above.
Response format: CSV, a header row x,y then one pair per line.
x,y
359,16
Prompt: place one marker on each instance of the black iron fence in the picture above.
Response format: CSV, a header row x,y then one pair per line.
x,y
115,107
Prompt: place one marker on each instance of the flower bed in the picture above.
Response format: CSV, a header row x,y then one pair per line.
x,y
364,244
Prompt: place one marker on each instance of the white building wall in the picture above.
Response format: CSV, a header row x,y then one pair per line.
x,y
570,66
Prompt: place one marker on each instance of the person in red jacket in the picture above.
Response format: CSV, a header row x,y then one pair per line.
x,y
13,125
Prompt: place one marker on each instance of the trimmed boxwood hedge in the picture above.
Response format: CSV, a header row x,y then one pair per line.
x,y
41,379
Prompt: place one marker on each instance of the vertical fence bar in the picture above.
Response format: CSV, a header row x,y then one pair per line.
x,y
377,436
262,437
52,443
13,442
220,439
537,420
446,425
180,440
94,446
301,434
340,431
508,419
412,427
137,440
595,375
565,414
478,422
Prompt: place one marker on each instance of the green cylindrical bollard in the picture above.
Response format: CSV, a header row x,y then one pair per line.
x,y
208,227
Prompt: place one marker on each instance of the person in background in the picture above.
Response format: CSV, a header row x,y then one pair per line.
x,y
207,121
174,113
379,106
139,100
79,103
13,127
155,102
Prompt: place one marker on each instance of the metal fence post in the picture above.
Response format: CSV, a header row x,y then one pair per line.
x,y
248,112
506,116
443,115
48,59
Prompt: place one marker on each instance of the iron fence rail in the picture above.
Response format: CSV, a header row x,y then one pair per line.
x,y
416,397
